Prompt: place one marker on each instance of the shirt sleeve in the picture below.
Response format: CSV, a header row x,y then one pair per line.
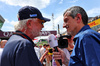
x,y
85,52
76,56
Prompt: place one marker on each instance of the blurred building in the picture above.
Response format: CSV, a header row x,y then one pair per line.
x,y
1,21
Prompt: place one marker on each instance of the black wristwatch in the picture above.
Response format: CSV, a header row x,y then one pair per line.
x,y
70,50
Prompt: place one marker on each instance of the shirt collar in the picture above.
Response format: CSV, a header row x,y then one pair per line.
x,y
82,29
24,36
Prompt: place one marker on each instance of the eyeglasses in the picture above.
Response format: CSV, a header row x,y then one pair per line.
x,y
42,21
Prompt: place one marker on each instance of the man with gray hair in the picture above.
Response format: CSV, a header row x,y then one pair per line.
x,y
19,50
86,51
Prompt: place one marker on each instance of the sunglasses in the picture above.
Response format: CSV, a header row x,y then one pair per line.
x,y
42,21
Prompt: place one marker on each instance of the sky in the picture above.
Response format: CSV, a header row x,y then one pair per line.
x,y
9,10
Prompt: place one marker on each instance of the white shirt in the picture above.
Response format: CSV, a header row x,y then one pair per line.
x,y
1,50
37,50
42,50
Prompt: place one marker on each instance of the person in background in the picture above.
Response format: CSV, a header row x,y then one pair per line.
x,y
98,30
40,46
2,45
37,50
48,56
67,50
43,57
86,51
19,50
42,51
70,44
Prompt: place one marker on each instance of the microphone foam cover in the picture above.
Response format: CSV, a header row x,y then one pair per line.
x,y
52,40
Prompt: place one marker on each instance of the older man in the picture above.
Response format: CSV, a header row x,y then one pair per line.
x,y
19,50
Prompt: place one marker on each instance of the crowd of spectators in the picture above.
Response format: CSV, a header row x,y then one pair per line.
x,y
93,18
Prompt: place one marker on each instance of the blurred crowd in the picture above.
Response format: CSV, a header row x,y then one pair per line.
x,y
94,18
45,53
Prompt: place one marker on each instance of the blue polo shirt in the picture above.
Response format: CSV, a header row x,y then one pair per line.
x,y
86,51
19,51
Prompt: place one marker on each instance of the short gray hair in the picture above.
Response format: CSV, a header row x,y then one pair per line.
x,y
75,10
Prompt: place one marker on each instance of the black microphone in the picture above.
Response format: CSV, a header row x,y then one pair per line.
x,y
54,44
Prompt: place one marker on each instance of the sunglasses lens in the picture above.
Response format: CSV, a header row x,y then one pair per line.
x,y
43,23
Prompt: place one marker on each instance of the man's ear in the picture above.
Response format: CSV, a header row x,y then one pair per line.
x,y
79,17
29,23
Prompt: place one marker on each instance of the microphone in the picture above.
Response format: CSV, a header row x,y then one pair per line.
x,y
52,41
54,44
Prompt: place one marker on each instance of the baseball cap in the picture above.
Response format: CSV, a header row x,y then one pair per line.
x,y
30,12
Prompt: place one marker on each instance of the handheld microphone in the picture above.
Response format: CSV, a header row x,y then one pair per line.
x,y
53,43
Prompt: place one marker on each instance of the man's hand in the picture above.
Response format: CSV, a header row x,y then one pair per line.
x,y
61,55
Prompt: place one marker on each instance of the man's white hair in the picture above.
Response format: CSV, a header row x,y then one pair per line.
x,y
21,24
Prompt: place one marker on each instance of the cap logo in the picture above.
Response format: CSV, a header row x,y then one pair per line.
x,y
33,15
